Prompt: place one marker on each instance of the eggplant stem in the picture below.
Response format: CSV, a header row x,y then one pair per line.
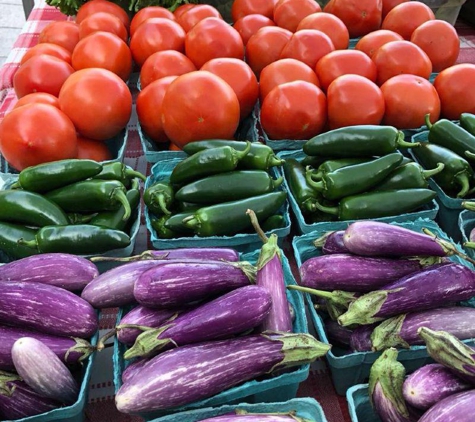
x,y
429,173
320,293
320,242
257,227
449,247
142,257
101,343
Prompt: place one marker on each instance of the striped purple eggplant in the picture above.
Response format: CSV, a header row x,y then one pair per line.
x,y
71,272
336,334
233,313
433,287
353,273
360,340
454,408
18,400
48,309
430,384
132,369
190,373
401,330
449,351
175,284
256,417
69,349
332,243
43,371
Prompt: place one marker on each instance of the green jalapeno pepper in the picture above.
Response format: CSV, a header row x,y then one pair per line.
x,y
409,176
273,222
229,186
82,239
56,174
78,218
9,236
159,198
357,141
380,204
355,179
313,161
92,195
115,219
176,225
260,156
457,172
120,172
304,195
158,224
230,218
467,121
331,165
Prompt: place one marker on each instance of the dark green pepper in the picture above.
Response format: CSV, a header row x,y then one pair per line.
x,y
331,165
115,219
467,121
29,208
355,179
176,225
357,141
229,186
313,161
380,204
92,195
82,239
9,236
276,221
230,218
159,198
457,172
56,174
260,156
158,224
409,176
78,218
120,172
207,162
304,195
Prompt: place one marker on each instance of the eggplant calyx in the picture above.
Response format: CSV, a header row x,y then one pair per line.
x,y
83,347
247,268
338,298
101,343
320,242
5,378
387,334
148,343
448,247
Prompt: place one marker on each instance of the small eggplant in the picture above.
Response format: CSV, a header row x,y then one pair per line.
x,y
360,339
454,408
332,243
337,335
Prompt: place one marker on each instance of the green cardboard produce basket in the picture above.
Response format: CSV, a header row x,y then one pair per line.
x,y
466,223
359,405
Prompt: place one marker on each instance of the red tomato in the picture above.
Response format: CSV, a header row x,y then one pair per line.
x,y
47,48
63,33
103,21
38,97
370,43
94,6
241,8
265,46
330,25
149,12
182,9
199,105
103,50
294,110
456,90
164,63
173,147
212,38
406,17
240,78
388,5
307,46
196,14
248,25
396,57
89,149
440,42
344,62
283,71
354,100
149,108
41,74
156,34
35,134
360,16
289,13
97,101
408,98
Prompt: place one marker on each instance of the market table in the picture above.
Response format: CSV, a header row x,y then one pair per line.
x,y
101,404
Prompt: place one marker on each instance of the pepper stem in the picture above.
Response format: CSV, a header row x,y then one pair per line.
x,y
33,244
275,161
309,205
429,173
428,122
277,182
470,155
400,142
320,242
463,180
15,185
241,154
119,195
327,210
162,204
132,174
308,177
468,205
192,222
257,227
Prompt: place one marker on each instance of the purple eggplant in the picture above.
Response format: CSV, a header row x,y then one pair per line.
x,y
133,368
69,349
18,400
48,309
449,351
332,243
190,373
233,313
432,287
360,340
401,330
353,273
454,408
337,335
430,384
43,371
71,272
256,417
176,284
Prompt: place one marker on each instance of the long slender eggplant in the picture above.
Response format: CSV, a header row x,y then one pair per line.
x,y
190,373
430,384
133,368
337,335
401,330
360,339
454,408
233,313
332,243
432,287
69,349
257,417
354,273
175,284
48,309
71,272
43,371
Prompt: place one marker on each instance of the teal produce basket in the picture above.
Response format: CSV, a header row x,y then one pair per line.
x,y
305,408
359,405
350,368
267,390
428,211
243,242
466,223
